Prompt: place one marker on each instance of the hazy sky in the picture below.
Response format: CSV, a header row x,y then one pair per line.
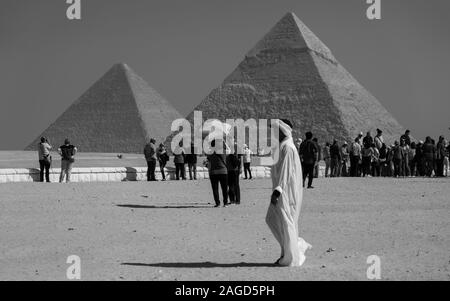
x,y
185,48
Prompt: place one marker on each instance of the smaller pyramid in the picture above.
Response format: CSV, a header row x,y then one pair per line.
x,y
118,114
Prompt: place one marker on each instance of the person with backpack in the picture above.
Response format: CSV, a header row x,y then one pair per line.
x,y
308,156
45,159
67,153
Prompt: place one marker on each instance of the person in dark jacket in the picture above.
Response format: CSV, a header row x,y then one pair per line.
x,y
368,140
428,151
234,163
218,173
383,160
308,157
191,160
335,154
406,137
150,157
67,152
319,157
418,159
163,158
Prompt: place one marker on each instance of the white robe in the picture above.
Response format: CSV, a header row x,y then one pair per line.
x,y
282,218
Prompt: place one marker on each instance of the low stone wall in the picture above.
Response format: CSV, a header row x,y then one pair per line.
x,y
115,174
109,174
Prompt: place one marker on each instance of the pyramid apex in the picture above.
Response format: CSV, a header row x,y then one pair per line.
x,y
120,65
291,33
290,14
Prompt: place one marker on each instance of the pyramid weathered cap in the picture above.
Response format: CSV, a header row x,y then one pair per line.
x,y
291,33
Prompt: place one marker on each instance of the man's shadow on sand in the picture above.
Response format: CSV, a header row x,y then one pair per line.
x,y
163,207
205,264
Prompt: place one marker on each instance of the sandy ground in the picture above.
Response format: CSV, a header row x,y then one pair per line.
x,y
169,231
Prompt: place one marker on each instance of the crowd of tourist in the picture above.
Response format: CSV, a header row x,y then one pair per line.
x,y
371,156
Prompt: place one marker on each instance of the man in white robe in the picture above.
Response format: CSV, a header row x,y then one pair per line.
x,y
284,209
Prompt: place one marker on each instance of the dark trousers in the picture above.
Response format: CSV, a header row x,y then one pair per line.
x,y
234,191
192,167
428,166
440,167
398,167
162,165
366,166
223,180
376,169
354,163
44,165
335,167
412,168
247,169
405,168
180,171
151,170
308,171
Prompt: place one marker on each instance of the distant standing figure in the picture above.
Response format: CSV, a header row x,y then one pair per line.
x,y
383,160
247,161
179,161
218,173
376,169
440,156
45,159
355,158
446,158
150,157
67,152
405,162
366,154
327,159
398,157
234,163
319,157
191,160
308,157
345,159
412,160
163,158
336,157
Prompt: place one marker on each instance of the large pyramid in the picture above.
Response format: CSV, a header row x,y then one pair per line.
x,y
119,113
291,74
